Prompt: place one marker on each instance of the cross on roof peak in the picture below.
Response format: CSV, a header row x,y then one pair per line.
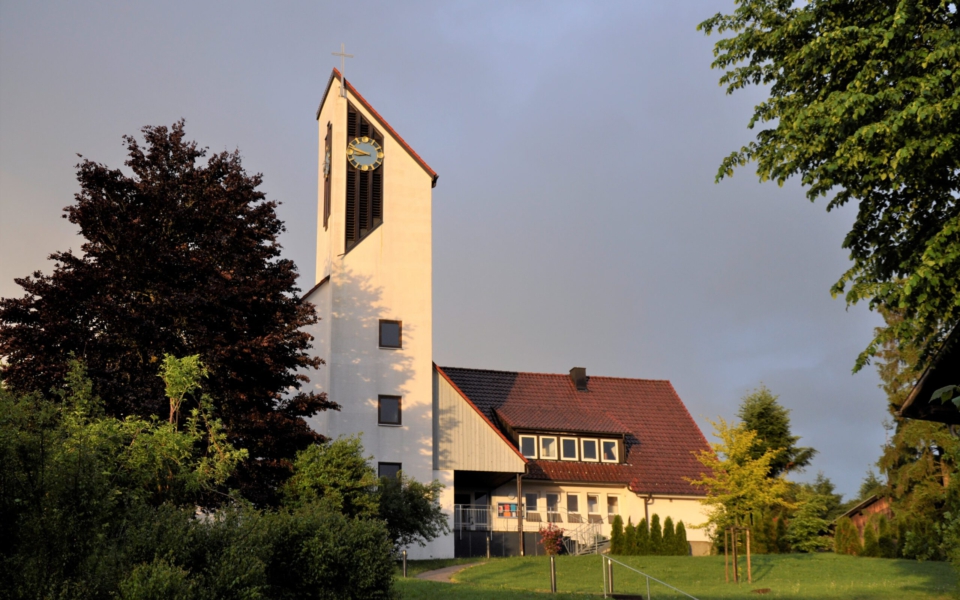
x,y
343,56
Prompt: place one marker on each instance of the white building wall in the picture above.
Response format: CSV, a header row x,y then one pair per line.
x,y
630,505
465,441
388,275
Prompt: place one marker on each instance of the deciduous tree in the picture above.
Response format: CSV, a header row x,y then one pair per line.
x,y
180,256
863,104
737,484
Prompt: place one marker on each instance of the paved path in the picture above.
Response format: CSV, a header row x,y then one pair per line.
x,y
444,573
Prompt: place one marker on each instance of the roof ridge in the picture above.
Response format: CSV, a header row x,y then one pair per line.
x,y
553,374
413,153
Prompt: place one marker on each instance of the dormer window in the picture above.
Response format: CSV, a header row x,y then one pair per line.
x,y
548,447
568,448
528,446
610,451
589,450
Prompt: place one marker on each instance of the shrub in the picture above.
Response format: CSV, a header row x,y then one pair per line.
x,y
411,511
642,545
630,538
668,546
616,535
871,546
888,543
656,536
158,580
683,546
846,538
551,537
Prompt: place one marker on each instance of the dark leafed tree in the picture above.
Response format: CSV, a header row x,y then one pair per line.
x,y
761,413
180,257
863,104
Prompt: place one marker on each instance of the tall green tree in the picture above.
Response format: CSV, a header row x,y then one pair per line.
x,y
656,536
630,538
616,535
668,546
180,256
643,538
683,546
761,413
863,105
919,461
737,484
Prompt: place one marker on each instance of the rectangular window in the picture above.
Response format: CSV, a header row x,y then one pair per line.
x,y
388,410
573,503
388,470
390,334
553,508
531,500
548,447
568,448
528,446
589,451
553,502
613,506
593,504
610,451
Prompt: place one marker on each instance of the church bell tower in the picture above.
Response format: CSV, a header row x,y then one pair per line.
x,y
373,289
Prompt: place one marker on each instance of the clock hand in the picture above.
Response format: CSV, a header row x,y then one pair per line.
x,y
360,152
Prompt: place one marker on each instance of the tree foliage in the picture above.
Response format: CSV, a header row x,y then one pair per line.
x,y
736,483
761,413
863,104
809,523
919,461
656,535
411,510
846,538
617,535
335,472
179,257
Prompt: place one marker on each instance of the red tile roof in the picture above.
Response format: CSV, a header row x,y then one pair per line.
x,y
660,437
336,75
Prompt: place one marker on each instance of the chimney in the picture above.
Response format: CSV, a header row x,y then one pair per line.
x,y
579,377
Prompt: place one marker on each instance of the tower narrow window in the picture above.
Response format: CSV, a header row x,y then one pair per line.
x,y
327,169
364,201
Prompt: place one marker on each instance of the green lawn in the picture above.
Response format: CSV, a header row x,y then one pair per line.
x,y
797,576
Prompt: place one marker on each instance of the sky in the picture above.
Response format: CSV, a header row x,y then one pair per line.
x,y
576,218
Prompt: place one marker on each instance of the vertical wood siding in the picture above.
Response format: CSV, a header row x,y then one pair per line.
x,y
463,440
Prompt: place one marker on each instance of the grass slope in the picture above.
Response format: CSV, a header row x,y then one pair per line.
x,y
796,576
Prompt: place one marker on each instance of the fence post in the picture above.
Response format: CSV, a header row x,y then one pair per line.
x,y
749,571
404,563
736,565
488,545
603,573
648,587
726,555
553,574
610,574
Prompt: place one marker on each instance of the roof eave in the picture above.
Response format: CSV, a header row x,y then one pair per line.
x,y
413,154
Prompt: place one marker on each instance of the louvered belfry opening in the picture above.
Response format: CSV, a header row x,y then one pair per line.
x,y
364,210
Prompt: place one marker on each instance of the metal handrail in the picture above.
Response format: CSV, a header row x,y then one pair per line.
x,y
649,577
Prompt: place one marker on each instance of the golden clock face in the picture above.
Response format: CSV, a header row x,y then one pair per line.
x,y
364,154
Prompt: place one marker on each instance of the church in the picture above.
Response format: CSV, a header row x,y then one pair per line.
x,y
515,451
